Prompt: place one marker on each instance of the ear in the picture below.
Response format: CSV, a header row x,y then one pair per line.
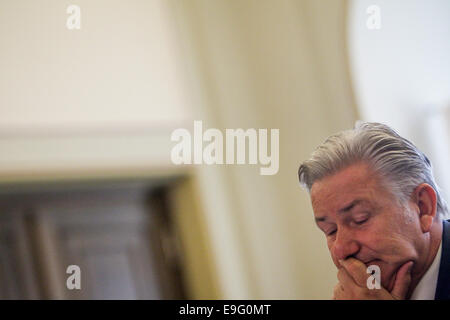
x,y
426,201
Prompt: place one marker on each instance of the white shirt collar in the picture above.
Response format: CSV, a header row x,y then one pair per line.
x,y
426,288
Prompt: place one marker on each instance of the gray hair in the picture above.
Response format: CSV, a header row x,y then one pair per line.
x,y
395,158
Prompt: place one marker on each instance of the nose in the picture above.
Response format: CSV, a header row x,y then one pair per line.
x,y
345,245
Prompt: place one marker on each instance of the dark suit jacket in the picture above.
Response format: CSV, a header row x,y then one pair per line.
x,y
443,284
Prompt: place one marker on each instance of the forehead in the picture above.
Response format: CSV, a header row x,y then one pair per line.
x,y
334,192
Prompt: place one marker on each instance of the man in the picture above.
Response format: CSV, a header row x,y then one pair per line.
x,y
375,198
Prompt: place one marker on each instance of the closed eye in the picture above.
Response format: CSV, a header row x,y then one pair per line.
x,y
331,233
360,222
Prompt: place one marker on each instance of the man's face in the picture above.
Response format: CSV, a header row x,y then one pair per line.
x,y
363,220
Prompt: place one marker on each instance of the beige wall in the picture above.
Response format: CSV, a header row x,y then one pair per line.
x,y
119,69
261,64
98,99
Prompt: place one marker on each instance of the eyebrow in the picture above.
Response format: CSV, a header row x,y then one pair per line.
x,y
345,209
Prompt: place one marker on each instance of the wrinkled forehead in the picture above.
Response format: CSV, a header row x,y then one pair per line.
x,y
334,192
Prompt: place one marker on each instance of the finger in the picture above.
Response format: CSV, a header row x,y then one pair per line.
x,y
356,269
402,281
345,279
337,291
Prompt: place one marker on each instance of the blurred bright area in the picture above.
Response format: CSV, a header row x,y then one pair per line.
x,y
86,118
401,73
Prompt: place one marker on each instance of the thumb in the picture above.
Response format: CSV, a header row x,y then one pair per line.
x,y
402,281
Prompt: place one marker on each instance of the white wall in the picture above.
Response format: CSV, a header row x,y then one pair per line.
x,y
401,72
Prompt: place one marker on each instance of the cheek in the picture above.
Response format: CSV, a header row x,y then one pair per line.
x,y
395,238
377,234
386,245
375,240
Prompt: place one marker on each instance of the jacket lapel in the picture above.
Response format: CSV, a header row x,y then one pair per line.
x,y
443,285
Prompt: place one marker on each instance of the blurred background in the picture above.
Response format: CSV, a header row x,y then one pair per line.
x,y
86,117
